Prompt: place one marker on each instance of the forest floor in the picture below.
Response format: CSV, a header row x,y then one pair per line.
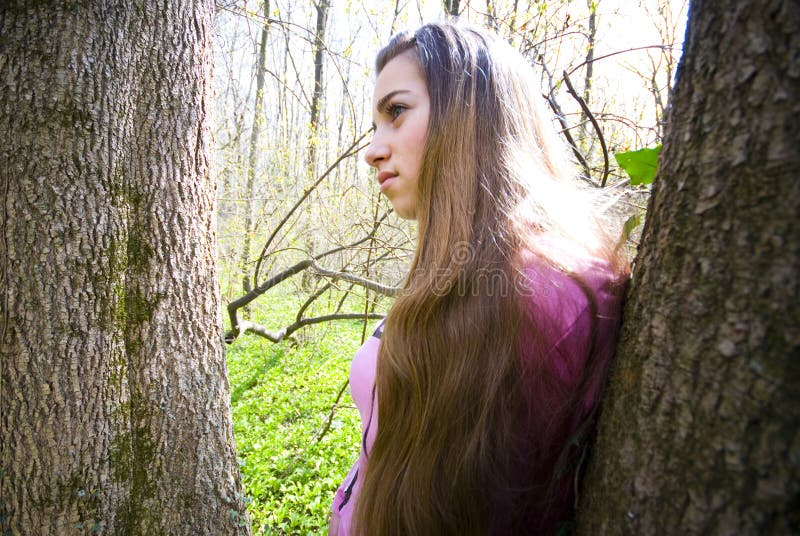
x,y
282,396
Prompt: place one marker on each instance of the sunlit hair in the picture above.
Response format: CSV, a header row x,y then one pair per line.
x,y
494,179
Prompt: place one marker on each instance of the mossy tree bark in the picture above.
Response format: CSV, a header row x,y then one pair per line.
x,y
699,430
113,390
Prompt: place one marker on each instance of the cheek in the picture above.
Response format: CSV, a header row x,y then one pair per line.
x,y
419,145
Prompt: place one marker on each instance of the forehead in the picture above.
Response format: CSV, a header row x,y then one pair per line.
x,y
403,72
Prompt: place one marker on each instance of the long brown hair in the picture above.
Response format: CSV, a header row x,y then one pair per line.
x,y
449,394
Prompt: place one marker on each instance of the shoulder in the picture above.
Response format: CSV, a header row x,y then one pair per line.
x,y
570,310
562,284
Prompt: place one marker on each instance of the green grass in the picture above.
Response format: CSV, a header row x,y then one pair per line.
x,y
282,396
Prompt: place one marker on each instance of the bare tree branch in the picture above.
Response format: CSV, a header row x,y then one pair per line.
x,y
238,326
568,135
329,420
349,152
245,326
596,126
351,278
551,100
662,47
311,299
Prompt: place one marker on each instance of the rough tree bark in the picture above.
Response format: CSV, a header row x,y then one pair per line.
x,y
699,433
114,406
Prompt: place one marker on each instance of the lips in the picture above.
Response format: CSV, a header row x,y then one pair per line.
x,y
384,178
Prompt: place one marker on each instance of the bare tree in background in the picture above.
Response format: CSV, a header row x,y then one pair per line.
x,y
451,7
315,126
658,79
591,37
253,151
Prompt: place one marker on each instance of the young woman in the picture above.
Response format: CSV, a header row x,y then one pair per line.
x,y
477,392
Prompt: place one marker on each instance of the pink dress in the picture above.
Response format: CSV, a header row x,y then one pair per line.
x,y
566,319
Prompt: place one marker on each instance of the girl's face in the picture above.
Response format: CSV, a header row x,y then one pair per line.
x,y
401,108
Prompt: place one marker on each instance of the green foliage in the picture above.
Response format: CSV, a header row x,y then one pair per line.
x,y
640,165
629,226
282,396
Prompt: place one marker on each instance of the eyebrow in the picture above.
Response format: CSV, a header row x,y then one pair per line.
x,y
381,106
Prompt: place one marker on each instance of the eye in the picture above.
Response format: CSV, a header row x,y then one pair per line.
x,y
394,110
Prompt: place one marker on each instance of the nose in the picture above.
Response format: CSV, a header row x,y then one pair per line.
x,y
377,152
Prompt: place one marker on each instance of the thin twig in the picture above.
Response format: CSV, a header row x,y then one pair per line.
x,y
369,259
311,299
327,426
344,297
596,126
286,472
662,47
551,100
565,131
349,152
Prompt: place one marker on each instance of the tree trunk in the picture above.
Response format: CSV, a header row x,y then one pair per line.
x,y
113,390
252,161
314,130
491,16
699,433
322,7
451,7
587,79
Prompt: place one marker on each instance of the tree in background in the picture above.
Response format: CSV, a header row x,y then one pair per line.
x,y
316,127
699,431
113,389
591,36
253,149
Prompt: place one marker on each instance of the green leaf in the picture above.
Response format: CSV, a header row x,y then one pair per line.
x,y
640,165
630,224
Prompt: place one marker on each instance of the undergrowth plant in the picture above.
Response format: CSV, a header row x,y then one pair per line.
x,y
282,395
